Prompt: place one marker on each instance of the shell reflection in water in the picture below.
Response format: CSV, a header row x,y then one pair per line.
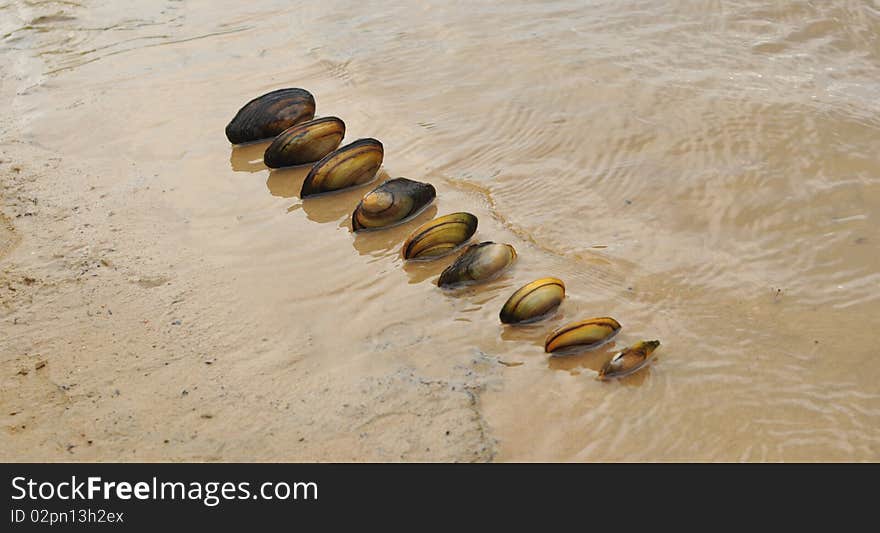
x,y
440,236
629,360
305,143
533,301
353,164
588,333
268,115
392,203
479,262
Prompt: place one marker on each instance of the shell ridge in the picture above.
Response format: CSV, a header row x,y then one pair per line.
x,y
424,233
526,295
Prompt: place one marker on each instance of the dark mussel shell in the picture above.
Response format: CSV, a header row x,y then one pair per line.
x,y
479,262
306,142
392,203
353,164
268,115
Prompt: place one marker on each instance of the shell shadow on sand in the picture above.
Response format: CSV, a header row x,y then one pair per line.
x,y
419,271
480,294
286,182
531,333
387,241
594,360
328,207
336,205
585,358
248,157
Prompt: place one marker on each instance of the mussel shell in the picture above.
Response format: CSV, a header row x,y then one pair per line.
x,y
353,164
306,142
392,203
588,333
479,262
268,115
533,301
629,360
440,236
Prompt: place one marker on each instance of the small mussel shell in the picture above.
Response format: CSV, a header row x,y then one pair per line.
x,y
391,203
440,236
353,164
629,360
304,143
479,262
533,301
588,333
268,115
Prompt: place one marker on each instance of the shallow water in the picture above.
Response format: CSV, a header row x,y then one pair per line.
x,y
707,174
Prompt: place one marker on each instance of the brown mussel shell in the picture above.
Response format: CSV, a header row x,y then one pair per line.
x,y
479,262
353,164
268,115
440,236
629,360
306,142
533,301
589,333
392,203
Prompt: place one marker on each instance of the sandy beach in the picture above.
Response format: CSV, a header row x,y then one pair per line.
x,y
166,297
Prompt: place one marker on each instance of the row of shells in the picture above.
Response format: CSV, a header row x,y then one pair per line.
x,y
288,117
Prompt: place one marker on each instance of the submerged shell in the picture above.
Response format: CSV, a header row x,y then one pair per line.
x,y
268,115
304,143
353,164
533,301
440,236
391,203
479,262
588,333
629,360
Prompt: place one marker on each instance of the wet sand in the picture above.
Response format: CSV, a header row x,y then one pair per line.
x,y
127,343
707,177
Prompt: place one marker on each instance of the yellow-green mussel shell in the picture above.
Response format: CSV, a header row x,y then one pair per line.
x,y
353,164
306,142
440,236
588,333
533,301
